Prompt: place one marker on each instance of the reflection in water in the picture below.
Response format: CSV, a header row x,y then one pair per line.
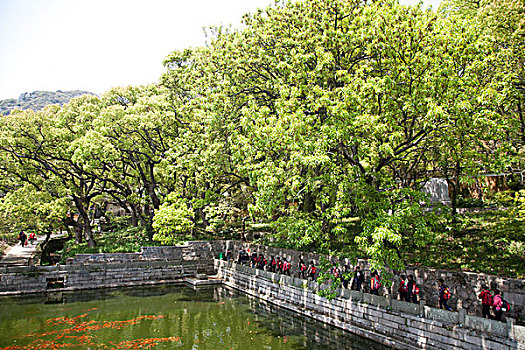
x,y
167,317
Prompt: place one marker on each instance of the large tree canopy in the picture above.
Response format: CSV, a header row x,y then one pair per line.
x,y
322,118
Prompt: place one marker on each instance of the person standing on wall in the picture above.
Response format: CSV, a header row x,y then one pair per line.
x,y
486,301
444,295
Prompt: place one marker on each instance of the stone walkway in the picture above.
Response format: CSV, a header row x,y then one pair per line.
x,y
18,255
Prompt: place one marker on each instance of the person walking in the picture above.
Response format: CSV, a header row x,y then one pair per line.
x,y
412,290
302,269
32,238
402,290
375,283
279,265
345,276
286,267
497,303
262,262
444,295
486,301
273,264
312,270
358,279
23,238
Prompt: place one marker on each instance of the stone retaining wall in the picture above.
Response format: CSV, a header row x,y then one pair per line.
x,y
391,322
465,286
152,265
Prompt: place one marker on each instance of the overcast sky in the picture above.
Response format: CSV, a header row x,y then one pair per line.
x,y
94,45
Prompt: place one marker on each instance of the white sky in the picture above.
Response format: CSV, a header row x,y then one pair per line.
x,y
94,45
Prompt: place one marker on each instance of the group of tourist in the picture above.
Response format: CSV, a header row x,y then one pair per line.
x,y
22,237
496,302
408,290
275,264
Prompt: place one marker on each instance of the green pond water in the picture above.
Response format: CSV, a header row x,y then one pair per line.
x,y
167,317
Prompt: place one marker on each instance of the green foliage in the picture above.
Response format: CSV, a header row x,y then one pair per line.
x,y
30,210
327,280
126,240
504,199
320,118
519,209
300,230
172,221
490,242
469,202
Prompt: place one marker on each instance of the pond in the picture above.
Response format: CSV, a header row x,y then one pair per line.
x,y
165,317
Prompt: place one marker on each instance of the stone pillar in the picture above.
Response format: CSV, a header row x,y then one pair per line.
x,y
461,316
510,327
388,298
422,311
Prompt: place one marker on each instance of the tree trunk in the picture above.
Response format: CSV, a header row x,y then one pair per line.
x,y
308,205
155,201
200,214
522,121
88,233
134,217
44,258
454,184
78,235
243,231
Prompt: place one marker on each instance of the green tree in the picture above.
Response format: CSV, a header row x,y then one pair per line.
x,y
47,143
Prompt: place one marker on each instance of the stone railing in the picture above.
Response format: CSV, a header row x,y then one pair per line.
x,y
391,322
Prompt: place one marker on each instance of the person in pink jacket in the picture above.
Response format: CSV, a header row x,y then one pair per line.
x,y
497,302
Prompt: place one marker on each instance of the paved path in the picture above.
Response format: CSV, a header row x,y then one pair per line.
x,y
18,255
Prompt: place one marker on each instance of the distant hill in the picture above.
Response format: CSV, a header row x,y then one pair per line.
x,y
37,100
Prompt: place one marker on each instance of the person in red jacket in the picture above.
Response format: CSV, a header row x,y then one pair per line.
x,y
286,267
375,283
302,269
32,238
273,264
279,265
312,270
486,301
403,288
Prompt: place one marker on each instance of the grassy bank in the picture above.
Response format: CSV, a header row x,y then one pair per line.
x,y
490,242
123,240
